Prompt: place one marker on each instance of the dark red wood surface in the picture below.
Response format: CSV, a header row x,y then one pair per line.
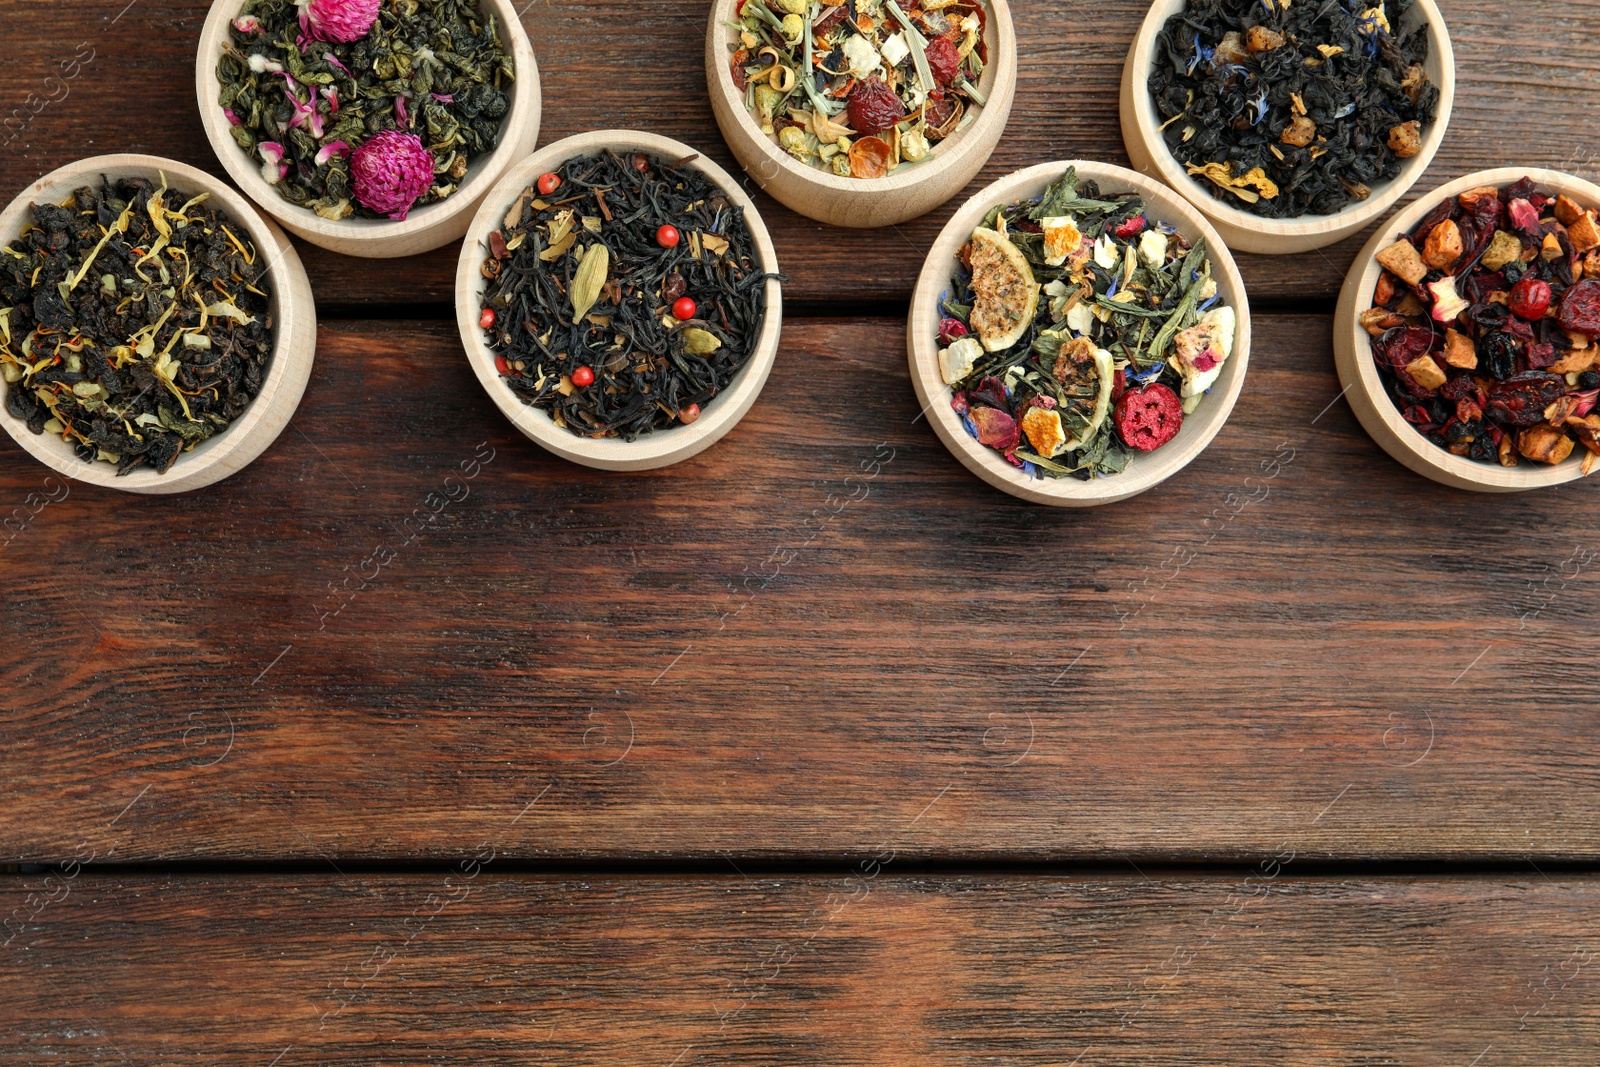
x,y
806,633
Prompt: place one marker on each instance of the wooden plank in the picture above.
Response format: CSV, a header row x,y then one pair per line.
x,y
865,970
1526,93
819,637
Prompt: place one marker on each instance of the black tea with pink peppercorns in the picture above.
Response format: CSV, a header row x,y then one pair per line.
x,y
624,295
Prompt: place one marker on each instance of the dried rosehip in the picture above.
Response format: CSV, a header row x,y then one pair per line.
x,y
1148,417
1497,354
1580,308
944,60
1530,298
874,107
1521,400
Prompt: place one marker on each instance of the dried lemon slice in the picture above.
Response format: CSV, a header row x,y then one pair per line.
x,y
1006,296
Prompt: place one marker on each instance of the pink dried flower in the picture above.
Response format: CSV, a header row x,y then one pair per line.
x,y
247,24
332,150
401,115
232,116
302,111
333,61
273,169
444,98
332,93
338,21
391,172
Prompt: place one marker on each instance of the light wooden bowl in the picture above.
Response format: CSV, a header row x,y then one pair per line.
x,y
1352,352
863,202
664,447
294,329
1243,231
1146,470
424,229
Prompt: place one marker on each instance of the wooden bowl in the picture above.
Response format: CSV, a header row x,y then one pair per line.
x,y
1244,231
664,447
294,327
863,202
1146,470
1352,352
426,228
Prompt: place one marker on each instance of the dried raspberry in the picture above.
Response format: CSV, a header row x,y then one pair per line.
x,y
944,60
1148,417
874,107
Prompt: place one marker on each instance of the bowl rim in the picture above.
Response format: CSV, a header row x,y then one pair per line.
x,y
355,232
294,318
1146,471
664,447
951,152
1354,216
1358,373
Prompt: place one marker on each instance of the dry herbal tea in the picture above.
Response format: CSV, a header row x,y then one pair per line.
x,y
624,295
1484,324
1079,332
1290,109
134,324
353,107
861,88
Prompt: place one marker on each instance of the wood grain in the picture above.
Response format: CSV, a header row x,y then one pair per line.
x,y
1525,95
822,637
863,970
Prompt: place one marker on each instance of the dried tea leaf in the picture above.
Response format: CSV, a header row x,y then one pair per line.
x,y
590,279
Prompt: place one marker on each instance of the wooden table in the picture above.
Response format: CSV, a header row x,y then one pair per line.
x,y
814,749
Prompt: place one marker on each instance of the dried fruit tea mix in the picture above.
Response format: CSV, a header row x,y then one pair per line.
x,y
861,88
624,295
1484,324
353,107
1290,109
134,322
1079,331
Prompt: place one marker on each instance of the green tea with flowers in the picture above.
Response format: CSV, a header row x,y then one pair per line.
x,y
361,108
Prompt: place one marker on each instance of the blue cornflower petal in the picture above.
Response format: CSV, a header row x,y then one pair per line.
x,y
972,427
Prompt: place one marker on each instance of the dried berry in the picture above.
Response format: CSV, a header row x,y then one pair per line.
x,y
1497,354
944,60
1521,400
1148,417
1580,308
1530,298
874,107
